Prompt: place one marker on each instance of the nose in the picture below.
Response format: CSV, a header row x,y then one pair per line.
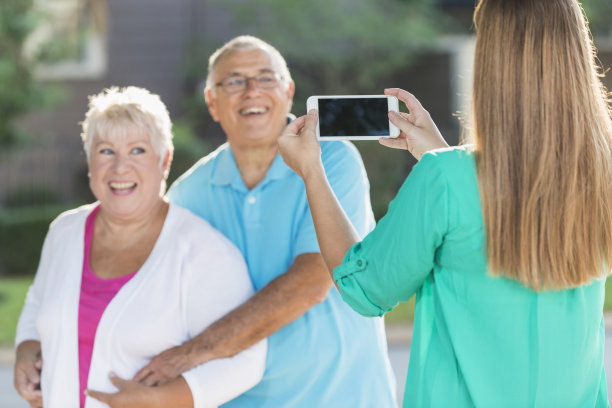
x,y
251,85
120,163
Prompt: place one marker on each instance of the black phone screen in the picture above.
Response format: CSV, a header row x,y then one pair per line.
x,y
353,117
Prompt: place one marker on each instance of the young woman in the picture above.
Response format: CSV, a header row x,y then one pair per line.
x,y
506,242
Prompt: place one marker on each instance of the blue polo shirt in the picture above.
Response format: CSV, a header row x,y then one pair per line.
x,y
331,356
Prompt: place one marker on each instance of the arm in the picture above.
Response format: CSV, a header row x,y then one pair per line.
x,y
283,300
335,232
28,363
175,394
301,152
28,358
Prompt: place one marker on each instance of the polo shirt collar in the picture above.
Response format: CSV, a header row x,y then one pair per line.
x,y
226,171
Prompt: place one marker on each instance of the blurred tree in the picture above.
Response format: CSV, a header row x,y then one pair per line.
x,y
599,13
340,46
21,92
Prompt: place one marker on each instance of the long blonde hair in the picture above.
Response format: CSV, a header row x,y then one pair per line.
x,y
543,139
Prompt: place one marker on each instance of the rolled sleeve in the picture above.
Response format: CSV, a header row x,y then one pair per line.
x,y
393,261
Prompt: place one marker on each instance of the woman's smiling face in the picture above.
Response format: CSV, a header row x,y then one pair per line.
x,y
125,172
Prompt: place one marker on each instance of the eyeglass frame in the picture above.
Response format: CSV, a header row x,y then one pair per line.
x,y
278,77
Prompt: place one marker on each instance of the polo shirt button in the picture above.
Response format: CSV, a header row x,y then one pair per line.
x,y
252,200
359,262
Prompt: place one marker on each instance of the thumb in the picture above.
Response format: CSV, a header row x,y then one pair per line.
x,y
100,396
295,126
394,143
117,382
312,119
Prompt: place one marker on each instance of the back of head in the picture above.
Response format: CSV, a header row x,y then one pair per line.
x,y
543,134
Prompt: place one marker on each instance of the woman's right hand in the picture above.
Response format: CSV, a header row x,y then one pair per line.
x,y
299,147
28,365
418,132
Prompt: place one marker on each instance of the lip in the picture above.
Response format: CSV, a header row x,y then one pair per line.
x,y
122,188
253,111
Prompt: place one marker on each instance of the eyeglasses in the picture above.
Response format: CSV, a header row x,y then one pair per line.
x,y
236,84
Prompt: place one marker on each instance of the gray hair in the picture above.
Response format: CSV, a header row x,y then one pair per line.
x,y
114,108
244,43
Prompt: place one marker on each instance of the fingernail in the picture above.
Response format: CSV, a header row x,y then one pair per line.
x,y
112,375
86,392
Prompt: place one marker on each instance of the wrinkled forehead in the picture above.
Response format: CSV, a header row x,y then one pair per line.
x,y
246,62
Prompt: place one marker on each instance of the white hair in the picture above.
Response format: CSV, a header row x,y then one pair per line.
x,y
244,43
114,108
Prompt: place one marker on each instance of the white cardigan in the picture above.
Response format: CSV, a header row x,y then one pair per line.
x,y
193,276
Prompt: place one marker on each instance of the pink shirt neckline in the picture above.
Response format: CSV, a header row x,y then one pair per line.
x,y
96,294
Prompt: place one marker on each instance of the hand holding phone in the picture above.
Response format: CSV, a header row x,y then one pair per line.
x,y
356,117
419,133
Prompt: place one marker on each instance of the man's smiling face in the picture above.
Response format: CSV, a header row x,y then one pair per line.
x,y
254,116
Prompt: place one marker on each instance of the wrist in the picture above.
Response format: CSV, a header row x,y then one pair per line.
x,y
312,173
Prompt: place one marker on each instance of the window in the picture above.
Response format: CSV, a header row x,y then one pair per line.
x,y
69,41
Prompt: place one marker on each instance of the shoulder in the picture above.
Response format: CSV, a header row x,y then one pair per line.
x,y
341,156
194,232
203,169
451,161
71,218
339,149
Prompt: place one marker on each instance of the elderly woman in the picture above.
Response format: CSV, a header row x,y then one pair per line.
x,y
129,276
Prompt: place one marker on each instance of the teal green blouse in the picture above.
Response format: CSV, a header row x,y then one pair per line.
x,y
478,340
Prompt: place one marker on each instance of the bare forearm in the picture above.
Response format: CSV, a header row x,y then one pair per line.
x,y
175,394
335,232
282,301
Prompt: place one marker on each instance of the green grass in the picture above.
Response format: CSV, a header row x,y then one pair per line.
x,y
12,296
13,291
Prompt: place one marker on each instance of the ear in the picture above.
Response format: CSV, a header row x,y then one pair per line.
x,y
166,164
289,92
211,102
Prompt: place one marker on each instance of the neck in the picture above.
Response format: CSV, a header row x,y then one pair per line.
x,y
132,228
254,162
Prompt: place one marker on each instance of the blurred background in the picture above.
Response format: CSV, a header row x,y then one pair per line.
x,y
54,53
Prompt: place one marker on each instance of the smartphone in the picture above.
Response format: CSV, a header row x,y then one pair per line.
x,y
356,117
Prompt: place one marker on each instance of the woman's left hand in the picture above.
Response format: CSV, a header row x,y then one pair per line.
x,y
131,394
299,147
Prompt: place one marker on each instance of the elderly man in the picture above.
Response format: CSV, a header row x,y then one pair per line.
x,y
320,353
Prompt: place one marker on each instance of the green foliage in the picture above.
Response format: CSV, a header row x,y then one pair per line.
x,y
340,46
32,195
599,14
12,296
20,92
187,149
22,232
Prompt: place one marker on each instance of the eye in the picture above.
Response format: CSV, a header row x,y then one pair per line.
x,y
137,150
235,81
106,151
266,78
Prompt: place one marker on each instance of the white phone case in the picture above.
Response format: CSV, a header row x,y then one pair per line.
x,y
393,105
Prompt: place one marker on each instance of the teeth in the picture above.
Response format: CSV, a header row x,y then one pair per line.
x,y
252,110
122,186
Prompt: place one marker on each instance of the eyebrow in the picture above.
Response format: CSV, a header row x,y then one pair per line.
x,y
261,71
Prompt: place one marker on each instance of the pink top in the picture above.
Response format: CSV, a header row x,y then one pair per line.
x,y
96,294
